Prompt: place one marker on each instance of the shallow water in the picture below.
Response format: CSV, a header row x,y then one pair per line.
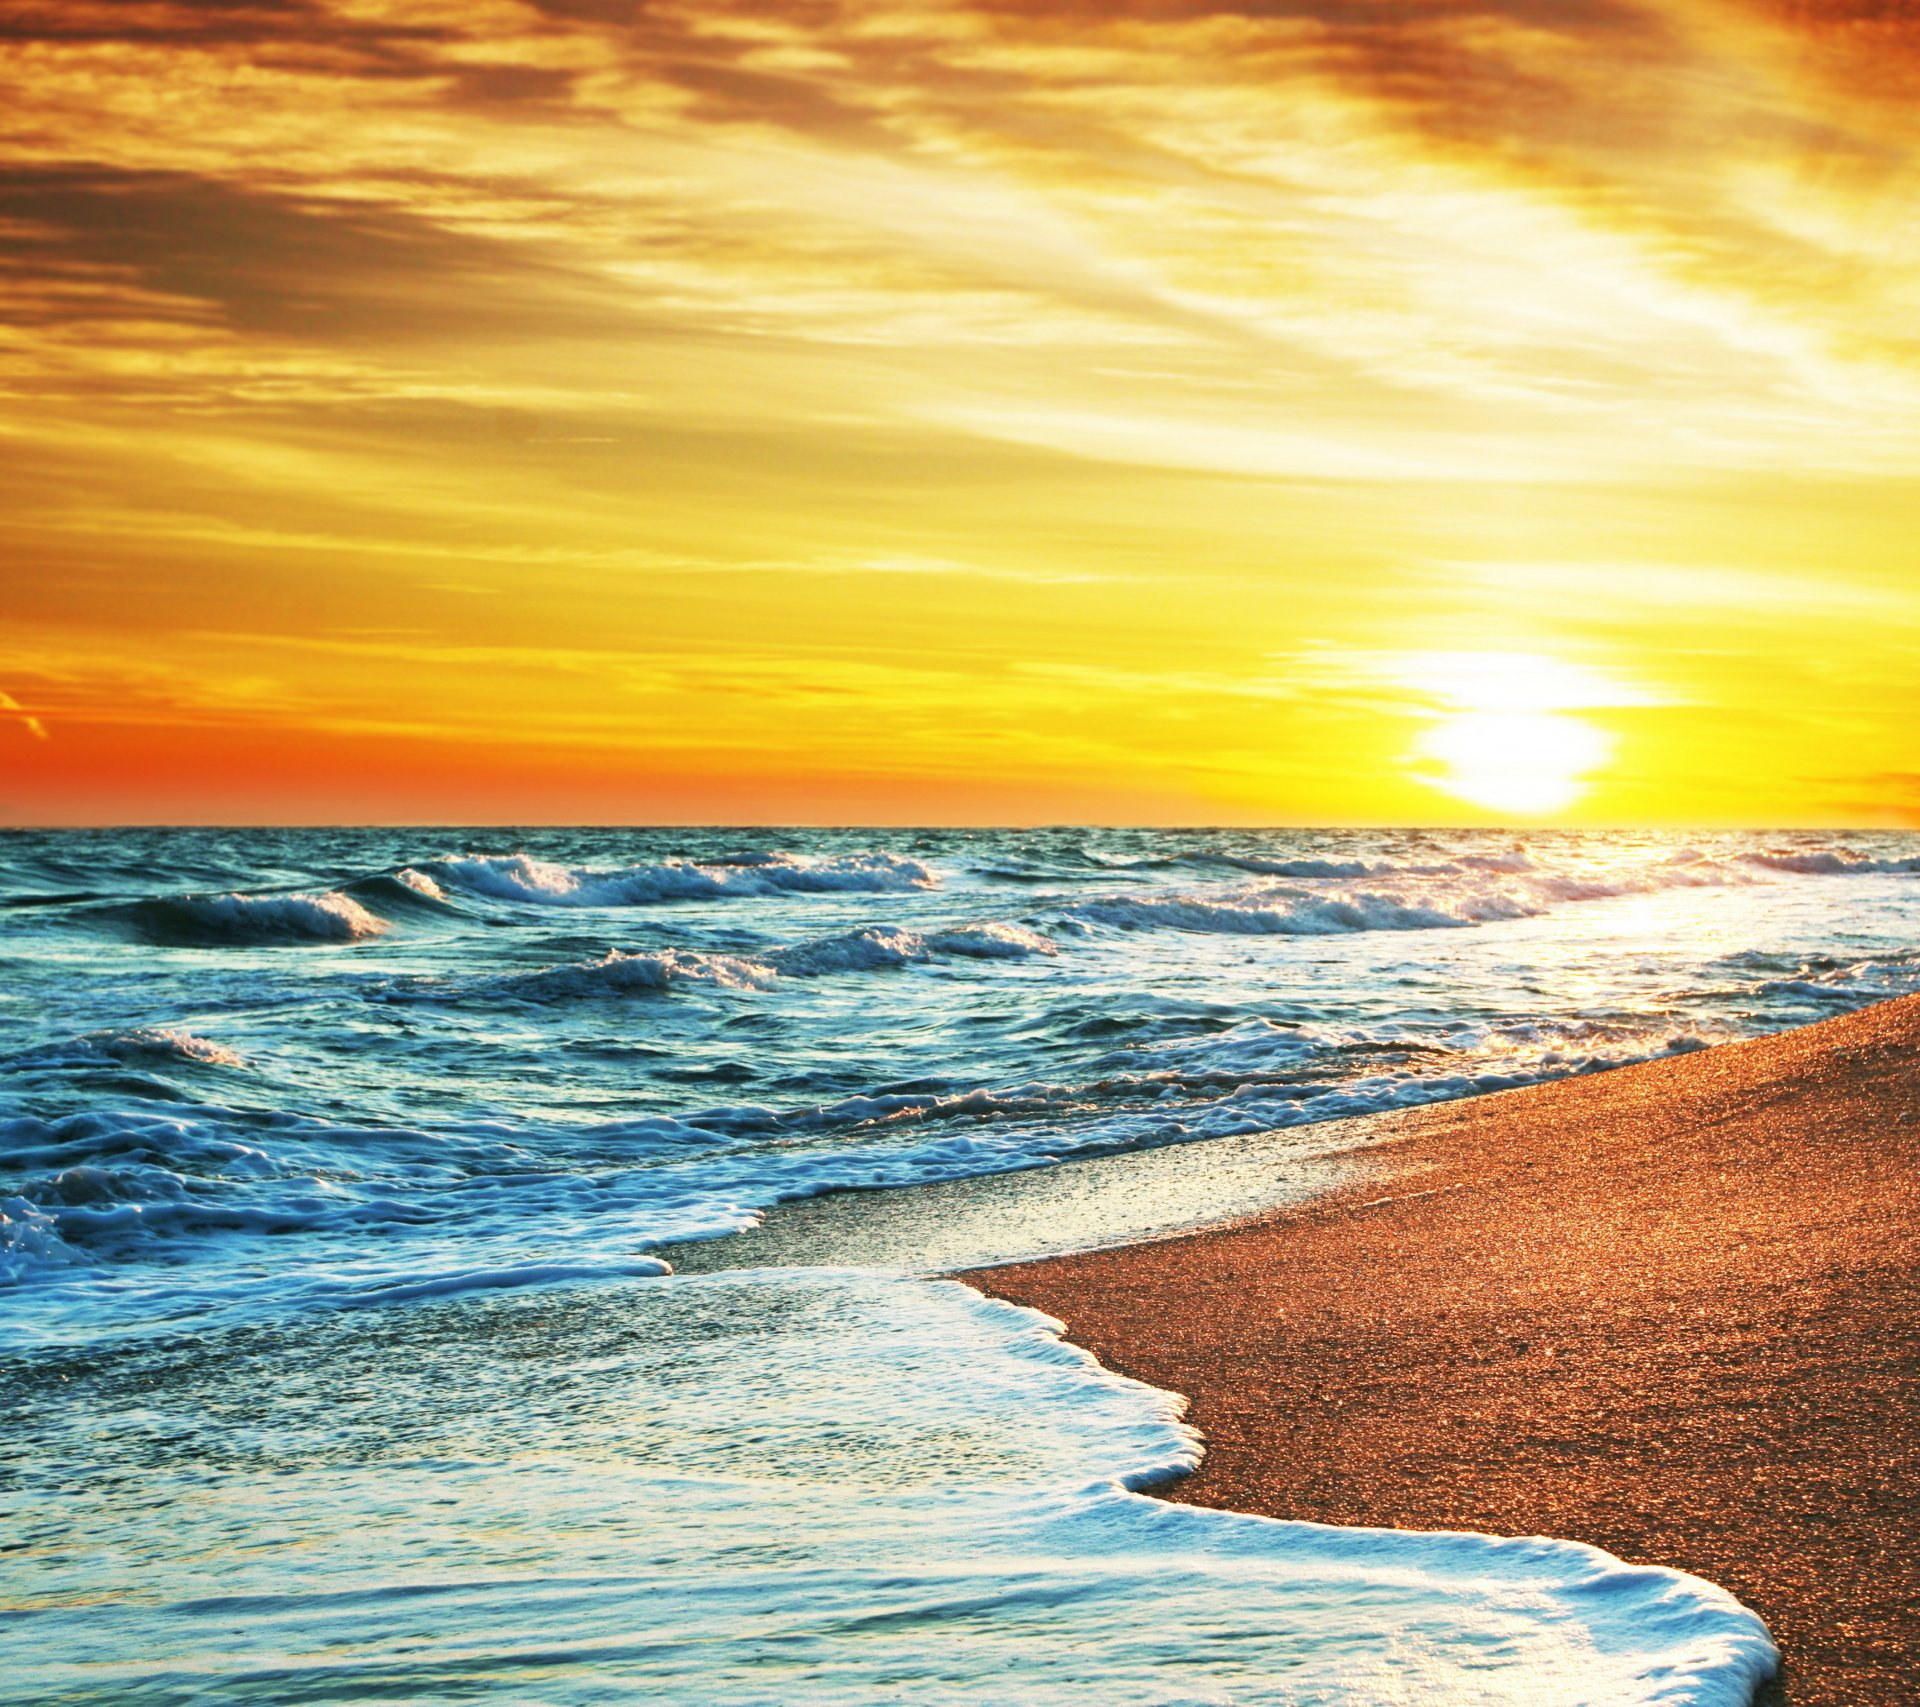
x,y
332,1166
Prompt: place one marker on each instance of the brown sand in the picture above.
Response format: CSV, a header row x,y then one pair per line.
x,y
1673,1311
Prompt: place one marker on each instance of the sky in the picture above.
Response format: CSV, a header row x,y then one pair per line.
x,y
999,411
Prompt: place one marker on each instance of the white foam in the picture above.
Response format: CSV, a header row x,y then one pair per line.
x,y
1829,862
1475,889
619,972
782,1489
516,877
872,948
135,1045
1265,912
420,883
992,942
30,1243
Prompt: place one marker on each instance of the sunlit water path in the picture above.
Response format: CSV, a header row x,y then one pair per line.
x,y
333,1166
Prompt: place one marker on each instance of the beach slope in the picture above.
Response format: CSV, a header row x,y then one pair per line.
x,y
1670,1310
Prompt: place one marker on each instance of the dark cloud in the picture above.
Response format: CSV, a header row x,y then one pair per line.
x,y
173,245
641,16
203,23
298,36
511,85
1435,60
728,93
1580,17
1844,14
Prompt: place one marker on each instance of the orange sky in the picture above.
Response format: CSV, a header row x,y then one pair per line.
x,y
1297,411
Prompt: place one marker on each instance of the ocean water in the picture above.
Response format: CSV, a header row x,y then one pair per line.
x,y
340,1362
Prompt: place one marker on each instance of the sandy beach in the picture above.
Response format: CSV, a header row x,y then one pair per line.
x,y
1670,1310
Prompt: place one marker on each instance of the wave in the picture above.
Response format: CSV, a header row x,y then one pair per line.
x,y
204,1208
404,891
1508,859
876,948
98,1191
1829,862
880,947
105,1187
1520,861
420,883
137,1046
1036,876
1296,867
620,973
518,877
1819,982
992,942
211,920
1471,890
1269,914
92,1211
65,898
873,948
1096,866
512,1275
1258,1077
89,1216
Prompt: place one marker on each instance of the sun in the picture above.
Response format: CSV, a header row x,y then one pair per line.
x,y
1528,763
1503,736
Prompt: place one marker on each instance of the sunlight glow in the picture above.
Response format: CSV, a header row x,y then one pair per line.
x,y
1506,741
1529,764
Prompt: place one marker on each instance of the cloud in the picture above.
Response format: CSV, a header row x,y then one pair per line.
x,y
12,710
1422,212
200,251
1606,586
1494,682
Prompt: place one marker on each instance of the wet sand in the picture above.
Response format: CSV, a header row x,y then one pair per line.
x,y
1672,1310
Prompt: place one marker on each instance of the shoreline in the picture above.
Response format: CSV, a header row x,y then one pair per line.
x,y
1671,1310
1081,1203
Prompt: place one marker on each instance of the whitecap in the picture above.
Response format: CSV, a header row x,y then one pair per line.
x,y
517,877
235,918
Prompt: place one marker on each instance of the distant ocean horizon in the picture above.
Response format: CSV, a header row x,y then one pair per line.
x,y
335,1165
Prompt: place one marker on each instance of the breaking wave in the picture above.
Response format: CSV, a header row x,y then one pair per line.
x,y
137,1046
875,948
1296,867
992,942
212,920
405,893
518,877
1475,890
1829,862
1266,913
620,973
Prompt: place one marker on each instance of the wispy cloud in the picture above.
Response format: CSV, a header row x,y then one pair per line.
x,y
1492,681
12,711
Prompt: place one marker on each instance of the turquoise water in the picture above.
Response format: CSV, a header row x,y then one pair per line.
x,y
334,1166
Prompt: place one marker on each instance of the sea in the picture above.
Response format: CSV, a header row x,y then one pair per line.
x,y
344,1175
